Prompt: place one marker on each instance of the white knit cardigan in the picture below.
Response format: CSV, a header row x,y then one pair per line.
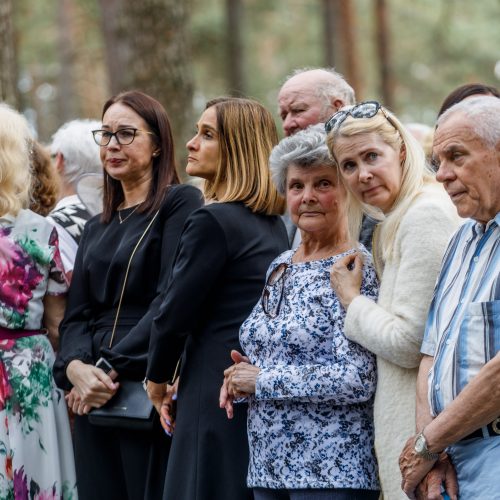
x,y
393,327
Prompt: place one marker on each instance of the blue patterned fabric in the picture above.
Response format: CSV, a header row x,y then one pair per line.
x,y
463,326
310,421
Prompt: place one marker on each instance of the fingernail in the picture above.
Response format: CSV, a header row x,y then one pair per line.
x,y
167,433
174,397
166,420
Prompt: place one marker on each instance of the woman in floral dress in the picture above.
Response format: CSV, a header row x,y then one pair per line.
x,y
36,455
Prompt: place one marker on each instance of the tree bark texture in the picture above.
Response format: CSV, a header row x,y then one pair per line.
x,y
235,51
384,53
8,59
159,60
349,33
66,93
330,31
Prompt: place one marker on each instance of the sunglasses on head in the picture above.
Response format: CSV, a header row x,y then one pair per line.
x,y
366,109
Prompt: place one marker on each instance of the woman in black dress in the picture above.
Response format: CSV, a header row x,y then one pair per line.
x,y
218,276
140,184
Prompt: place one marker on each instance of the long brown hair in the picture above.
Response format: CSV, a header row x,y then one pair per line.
x,y
164,168
247,134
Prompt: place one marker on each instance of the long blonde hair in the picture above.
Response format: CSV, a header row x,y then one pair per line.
x,y
247,134
14,161
415,172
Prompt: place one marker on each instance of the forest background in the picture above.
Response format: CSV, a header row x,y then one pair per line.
x,y
61,59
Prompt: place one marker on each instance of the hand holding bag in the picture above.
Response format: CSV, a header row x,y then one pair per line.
x,y
130,408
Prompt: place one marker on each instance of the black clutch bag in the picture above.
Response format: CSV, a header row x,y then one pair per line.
x,y
129,408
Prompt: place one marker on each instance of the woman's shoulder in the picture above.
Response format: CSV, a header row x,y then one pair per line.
x,y
31,220
431,206
181,194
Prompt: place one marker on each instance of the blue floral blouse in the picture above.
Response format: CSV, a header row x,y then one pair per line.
x,y
310,422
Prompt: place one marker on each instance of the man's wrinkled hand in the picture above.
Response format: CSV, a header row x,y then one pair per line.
x,y
413,468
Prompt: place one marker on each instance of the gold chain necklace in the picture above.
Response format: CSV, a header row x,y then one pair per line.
x,y
128,216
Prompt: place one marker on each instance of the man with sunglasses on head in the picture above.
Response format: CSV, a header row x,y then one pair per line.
x,y
458,388
310,96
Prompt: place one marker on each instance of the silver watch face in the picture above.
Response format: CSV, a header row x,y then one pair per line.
x,y
420,444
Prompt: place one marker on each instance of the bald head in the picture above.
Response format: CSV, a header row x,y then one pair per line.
x,y
312,96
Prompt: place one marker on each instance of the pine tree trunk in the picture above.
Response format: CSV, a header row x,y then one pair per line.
x,y
234,43
8,59
383,50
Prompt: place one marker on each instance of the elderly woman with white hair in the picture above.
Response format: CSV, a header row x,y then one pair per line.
x,y
385,173
310,389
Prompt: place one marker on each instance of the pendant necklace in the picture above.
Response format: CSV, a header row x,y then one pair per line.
x,y
128,216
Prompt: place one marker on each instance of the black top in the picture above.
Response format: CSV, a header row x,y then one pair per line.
x,y
218,277
100,265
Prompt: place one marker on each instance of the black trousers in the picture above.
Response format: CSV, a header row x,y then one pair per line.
x,y
119,464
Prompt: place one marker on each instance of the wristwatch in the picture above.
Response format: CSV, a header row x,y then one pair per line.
x,y
421,447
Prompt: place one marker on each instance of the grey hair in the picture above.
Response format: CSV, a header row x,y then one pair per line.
x,y
334,85
306,148
483,115
81,154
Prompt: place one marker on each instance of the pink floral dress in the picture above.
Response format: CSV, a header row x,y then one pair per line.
x,y
36,455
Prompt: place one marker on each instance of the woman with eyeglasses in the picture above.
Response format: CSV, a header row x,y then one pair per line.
x,y
144,210
218,275
384,171
310,389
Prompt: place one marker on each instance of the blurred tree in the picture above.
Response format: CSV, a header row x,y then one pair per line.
x,y
8,60
235,50
116,43
383,49
330,13
158,62
67,106
349,37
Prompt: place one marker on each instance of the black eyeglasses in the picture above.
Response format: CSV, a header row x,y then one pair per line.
x,y
124,136
271,295
366,109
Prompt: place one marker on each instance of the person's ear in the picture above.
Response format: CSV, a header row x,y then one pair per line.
x,y
402,154
337,104
59,163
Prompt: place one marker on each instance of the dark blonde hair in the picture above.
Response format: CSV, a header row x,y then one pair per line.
x,y
44,181
247,134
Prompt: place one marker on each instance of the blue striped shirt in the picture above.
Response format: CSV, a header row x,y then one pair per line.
x,y
463,326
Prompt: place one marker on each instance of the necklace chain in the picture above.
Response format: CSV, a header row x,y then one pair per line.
x,y
128,216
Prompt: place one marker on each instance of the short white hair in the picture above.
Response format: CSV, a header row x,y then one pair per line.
x,y
334,85
483,115
81,154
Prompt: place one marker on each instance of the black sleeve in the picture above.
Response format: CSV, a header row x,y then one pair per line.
x,y
132,350
75,338
200,261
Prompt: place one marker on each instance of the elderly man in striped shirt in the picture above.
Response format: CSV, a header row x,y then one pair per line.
x,y
458,389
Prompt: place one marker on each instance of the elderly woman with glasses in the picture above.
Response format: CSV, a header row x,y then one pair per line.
x,y
123,264
310,389
384,171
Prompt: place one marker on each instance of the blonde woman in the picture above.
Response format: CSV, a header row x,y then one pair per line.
x,y
35,440
225,250
384,171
